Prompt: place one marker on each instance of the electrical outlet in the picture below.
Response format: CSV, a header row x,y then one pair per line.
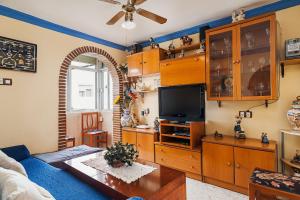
x,y
245,114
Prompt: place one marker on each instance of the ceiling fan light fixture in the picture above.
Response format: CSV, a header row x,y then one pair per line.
x,y
128,24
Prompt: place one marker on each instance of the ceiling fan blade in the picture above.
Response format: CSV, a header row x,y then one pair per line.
x,y
111,1
151,16
115,18
138,2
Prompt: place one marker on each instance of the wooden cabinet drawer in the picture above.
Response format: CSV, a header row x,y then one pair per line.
x,y
178,158
190,70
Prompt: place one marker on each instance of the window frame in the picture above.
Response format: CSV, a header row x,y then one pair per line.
x,y
99,70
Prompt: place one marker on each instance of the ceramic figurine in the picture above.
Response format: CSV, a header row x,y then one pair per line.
x,y
234,15
181,55
218,135
239,132
153,44
169,51
126,120
202,47
156,124
241,15
186,40
293,115
264,138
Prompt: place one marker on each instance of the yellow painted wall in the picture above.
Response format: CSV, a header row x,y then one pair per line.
x,y
269,120
28,109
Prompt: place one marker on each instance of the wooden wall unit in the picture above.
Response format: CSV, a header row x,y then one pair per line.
x,y
145,63
143,139
183,71
241,60
228,162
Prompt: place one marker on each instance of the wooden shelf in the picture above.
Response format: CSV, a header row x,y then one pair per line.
x,y
290,132
187,48
176,125
176,144
294,61
176,136
289,163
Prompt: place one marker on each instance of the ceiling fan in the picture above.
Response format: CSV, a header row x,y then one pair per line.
x,y
128,10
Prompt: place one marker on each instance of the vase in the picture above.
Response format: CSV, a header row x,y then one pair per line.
x,y
126,120
293,114
117,164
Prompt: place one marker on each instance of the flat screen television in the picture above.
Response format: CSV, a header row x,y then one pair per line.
x,y
182,103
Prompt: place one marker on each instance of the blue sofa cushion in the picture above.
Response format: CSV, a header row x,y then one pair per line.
x,y
61,184
19,152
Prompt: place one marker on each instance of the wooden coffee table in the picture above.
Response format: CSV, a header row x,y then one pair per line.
x,y
163,183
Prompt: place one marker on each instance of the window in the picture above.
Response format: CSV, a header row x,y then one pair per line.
x,y
89,85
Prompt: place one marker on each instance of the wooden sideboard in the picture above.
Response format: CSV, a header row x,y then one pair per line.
x,y
143,139
228,162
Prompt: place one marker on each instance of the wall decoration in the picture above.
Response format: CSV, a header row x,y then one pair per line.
x,y
17,55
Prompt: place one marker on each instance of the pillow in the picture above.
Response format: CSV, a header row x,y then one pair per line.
x,y
19,152
10,163
14,186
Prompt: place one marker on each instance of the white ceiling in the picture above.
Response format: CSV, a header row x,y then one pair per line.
x,y
90,16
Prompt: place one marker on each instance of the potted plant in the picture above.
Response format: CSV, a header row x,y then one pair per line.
x,y
120,154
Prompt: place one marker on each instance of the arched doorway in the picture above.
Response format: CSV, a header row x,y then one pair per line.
x,y
62,85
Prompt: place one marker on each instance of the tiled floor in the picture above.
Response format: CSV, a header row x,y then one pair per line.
x,y
197,190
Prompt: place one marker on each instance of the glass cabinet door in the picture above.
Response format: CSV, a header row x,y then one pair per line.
x,y
220,74
255,60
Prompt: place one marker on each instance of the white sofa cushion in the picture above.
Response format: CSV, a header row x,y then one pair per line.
x,y
10,163
14,186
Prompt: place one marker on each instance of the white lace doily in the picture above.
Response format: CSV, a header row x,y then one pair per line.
x,y
127,174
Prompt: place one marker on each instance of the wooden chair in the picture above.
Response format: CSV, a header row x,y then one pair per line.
x,y
265,188
91,127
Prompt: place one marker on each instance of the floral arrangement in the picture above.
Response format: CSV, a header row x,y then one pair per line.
x,y
120,154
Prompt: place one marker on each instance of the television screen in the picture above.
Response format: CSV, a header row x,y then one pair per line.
x,y
182,103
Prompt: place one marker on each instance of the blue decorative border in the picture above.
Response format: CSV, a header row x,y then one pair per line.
x,y
8,12
282,4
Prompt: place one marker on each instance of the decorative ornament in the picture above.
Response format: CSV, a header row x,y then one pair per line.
x,y
126,120
264,138
153,44
117,100
156,124
239,132
238,16
293,115
186,40
170,49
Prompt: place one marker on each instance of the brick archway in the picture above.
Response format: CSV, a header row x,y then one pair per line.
x,y
62,101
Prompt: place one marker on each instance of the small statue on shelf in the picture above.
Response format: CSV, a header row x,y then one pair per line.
x,y
170,49
296,158
239,132
156,124
264,138
186,40
238,16
153,44
234,15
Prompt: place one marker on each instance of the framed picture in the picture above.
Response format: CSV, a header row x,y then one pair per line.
x,y
17,55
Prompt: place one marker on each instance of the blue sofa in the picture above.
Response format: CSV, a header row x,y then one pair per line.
x,y
61,184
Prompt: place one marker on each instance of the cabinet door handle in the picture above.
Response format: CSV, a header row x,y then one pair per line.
x,y
162,159
141,63
237,165
238,61
192,167
228,164
162,150
167,64
234,62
